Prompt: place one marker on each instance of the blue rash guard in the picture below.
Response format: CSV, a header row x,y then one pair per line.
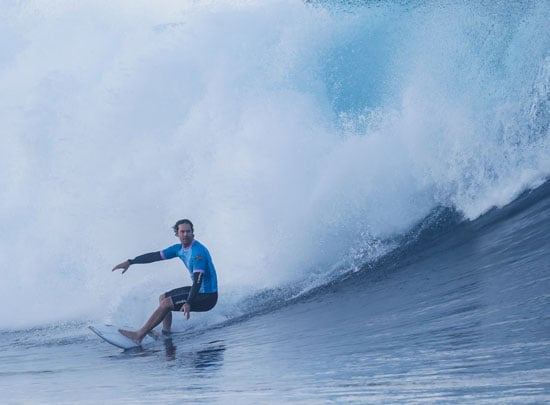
x,y
197,259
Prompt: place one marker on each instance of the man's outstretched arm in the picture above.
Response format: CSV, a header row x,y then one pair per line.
x,y
141,259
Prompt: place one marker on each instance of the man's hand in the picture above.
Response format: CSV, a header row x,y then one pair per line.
x,y
186,309
124,266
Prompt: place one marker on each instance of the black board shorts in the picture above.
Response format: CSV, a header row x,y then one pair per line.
x,y
203,301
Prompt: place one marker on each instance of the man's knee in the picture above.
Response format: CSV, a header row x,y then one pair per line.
x,y
166,302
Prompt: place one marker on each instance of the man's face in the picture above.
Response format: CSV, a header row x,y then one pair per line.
x,y
185,234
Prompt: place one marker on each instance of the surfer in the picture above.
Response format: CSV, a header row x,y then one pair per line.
x,y
201,296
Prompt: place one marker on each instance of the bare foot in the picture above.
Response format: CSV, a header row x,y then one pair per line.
x,y
133,336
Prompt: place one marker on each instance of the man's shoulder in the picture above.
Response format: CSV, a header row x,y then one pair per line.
x,y
174,248
200,249
197,246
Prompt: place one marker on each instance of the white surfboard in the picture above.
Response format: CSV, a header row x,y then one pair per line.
x,y
110,334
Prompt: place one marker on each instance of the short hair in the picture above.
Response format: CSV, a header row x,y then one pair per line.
x,y
182,221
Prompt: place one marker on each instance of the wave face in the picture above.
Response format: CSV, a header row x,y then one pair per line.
x,y
461,315
305,140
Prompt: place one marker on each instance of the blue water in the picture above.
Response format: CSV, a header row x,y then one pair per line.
x,y
371,179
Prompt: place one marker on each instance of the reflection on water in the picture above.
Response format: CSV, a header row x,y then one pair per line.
x,y
209,356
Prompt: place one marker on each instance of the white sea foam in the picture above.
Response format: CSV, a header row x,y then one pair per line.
x,y
290,134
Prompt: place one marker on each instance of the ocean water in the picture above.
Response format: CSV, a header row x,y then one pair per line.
x,y
371,178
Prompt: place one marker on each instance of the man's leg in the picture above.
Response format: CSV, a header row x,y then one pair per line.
x,y
167,321
157,317
178,295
